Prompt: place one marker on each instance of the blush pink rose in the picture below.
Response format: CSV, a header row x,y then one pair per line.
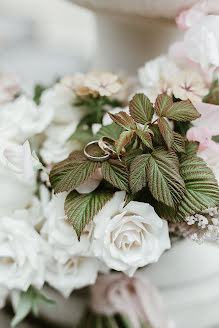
x,y
202,135
135,298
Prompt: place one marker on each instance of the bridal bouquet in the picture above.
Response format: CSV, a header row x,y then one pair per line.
x,y
98,174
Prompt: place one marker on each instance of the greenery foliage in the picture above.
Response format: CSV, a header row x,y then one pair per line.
x,y
155,163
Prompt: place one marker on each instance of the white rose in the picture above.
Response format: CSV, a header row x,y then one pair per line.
x,y
77,272
61,99
19,159
15,193
22,119
60,234
130,237
21,255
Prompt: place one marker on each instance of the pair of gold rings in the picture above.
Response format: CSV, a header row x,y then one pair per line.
x,y
106,144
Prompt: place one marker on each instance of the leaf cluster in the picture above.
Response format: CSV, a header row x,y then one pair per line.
x,y
29,302
160,166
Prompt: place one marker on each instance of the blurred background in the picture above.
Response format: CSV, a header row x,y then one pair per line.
x,y
42,40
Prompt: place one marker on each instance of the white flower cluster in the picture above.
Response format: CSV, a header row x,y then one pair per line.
x,y
163,74
207,225
37,244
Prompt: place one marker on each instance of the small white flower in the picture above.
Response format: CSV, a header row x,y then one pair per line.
x,y
104,83
189,85
21,255
130,237
156,75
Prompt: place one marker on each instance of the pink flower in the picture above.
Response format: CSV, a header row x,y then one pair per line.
x,y
137,299
90,184
192,15
202,135
209,117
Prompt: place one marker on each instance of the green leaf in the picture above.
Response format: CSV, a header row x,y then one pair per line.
x,y
166,131
202,190
179,143
162,102
181,111
70,173
112,131
82,135
215,138
38,90
158,139
82,208
138,173
115,172
191,147
145,138
124,120
141,109
164,180
182,127
29,302
131,155
125,137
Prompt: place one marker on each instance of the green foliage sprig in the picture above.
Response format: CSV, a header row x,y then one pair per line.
x,y
160,165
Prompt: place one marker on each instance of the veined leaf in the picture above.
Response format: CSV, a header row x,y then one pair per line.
x,y
112,131
166,131
179,143
158,139
202,190
162,102
145,138
81,208
191,147
124,138
138,173
131,155
164,180
124,120
181,111
115,172
141,109
70,173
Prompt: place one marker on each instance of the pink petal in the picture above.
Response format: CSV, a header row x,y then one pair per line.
x,y
209,117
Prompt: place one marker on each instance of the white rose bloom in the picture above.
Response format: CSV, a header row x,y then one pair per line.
x,y
22,254
77,272
19,159
15,193
130,237
60,234
57,147
61,99
22,119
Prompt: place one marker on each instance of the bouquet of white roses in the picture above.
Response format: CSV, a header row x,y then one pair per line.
x,y
99,173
